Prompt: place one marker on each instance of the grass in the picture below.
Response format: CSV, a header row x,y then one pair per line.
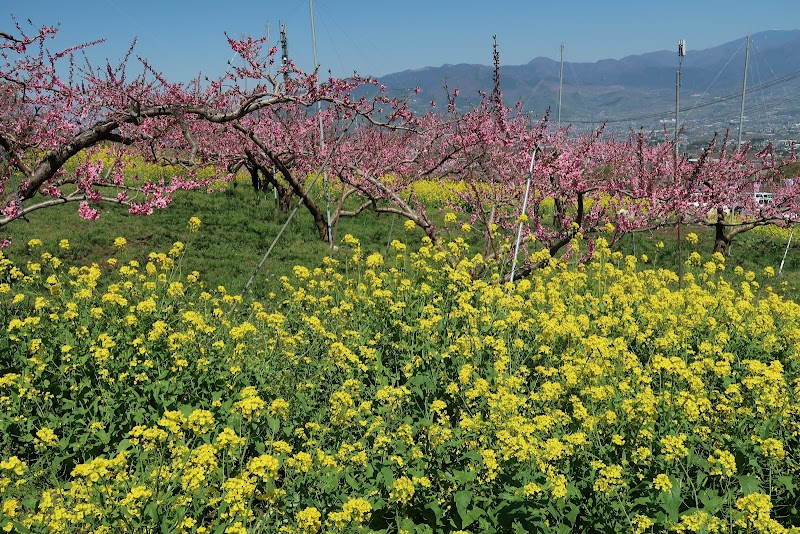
x,y
753,251
239,226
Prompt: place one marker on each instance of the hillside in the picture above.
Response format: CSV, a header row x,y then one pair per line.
x,y
637,90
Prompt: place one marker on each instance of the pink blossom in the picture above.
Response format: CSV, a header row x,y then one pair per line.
x,y
12,209
85,212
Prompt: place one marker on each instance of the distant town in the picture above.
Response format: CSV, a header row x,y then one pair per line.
x,y
782,132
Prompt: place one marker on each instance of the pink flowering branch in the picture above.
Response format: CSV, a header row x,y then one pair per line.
x,y
720,189
46,121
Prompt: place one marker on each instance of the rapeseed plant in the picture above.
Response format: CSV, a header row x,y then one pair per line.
x,y
388,392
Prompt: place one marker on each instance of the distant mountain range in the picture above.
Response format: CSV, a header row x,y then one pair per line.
x,y
637,90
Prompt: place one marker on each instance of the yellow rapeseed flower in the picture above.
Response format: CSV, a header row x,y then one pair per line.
x,y
402,490
45,436
722,463
662,482
309,520
264,467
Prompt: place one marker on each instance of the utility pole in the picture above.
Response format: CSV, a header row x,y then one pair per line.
x,y
681,54
321,129
285,53
560,83
744,88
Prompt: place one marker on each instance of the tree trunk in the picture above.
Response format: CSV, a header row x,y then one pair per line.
x,y
558,213
296,189
255,178
284,199
721,241
284,194
321,224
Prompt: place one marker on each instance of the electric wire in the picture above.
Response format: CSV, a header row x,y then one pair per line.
x,y
330,37
710,85
772,83
321,7
532,91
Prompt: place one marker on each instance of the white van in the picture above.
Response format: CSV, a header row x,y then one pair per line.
x,y
761,199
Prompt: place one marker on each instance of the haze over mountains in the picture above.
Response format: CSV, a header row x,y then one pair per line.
x,y
639,90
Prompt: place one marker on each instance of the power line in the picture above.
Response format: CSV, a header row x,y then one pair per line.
x,y
772,83
725,66
532,91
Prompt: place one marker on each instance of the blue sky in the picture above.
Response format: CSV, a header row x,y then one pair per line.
x,y
183,38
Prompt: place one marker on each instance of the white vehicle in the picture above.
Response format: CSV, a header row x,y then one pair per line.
x,y
761,199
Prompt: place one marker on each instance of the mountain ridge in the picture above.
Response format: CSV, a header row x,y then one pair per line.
x,y
635,86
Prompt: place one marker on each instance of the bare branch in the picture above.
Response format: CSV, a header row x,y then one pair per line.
x,y
55,202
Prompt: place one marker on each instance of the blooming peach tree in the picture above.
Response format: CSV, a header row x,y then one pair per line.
x,y
733,191
291,145
50,118
56,108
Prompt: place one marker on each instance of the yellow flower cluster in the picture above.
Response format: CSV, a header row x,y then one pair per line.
x,y
386,392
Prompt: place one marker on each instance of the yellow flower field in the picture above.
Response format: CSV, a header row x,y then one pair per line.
x,y
397,393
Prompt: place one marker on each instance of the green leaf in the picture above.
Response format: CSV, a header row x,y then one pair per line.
x,y
409,525
712,502
471,455
388,476
273,424
507,497
465,476
420,380
352,481
151,511
671,500
572,515
788,483
104,437
462,499
434,507
749,484
473,515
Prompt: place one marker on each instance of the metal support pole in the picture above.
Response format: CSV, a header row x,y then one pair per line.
x,y
285,52
560,83
681,53
321,129
524,212
785,252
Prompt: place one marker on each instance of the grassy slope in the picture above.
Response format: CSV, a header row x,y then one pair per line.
x,y
239,226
